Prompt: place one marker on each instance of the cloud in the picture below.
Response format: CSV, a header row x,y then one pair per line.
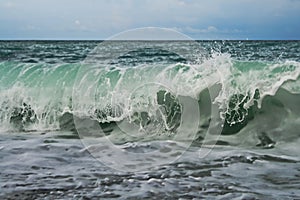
x,y
181,3
9,4
77,22
210,29
31,28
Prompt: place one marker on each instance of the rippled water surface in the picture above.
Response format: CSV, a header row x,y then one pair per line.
x,y
54,165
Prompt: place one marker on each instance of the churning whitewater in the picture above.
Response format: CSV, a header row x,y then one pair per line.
x,y
152,96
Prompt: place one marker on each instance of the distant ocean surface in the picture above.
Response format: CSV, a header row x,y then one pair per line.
x,y
149,119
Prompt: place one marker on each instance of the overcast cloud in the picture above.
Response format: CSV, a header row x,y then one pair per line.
x,y
99,19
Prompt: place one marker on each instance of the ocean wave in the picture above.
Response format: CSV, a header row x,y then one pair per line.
x,y
237,95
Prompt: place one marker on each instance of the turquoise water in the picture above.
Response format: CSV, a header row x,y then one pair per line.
x,y
217,119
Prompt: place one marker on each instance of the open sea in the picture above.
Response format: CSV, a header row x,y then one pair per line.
x,y
150,120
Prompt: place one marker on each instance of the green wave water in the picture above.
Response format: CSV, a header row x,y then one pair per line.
x,y
40,96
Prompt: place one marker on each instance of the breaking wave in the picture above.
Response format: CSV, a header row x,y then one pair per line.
x,y
239,96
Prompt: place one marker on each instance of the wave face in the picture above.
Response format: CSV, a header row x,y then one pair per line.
x,y
150,89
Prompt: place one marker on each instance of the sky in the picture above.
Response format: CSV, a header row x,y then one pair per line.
x,y
199,19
